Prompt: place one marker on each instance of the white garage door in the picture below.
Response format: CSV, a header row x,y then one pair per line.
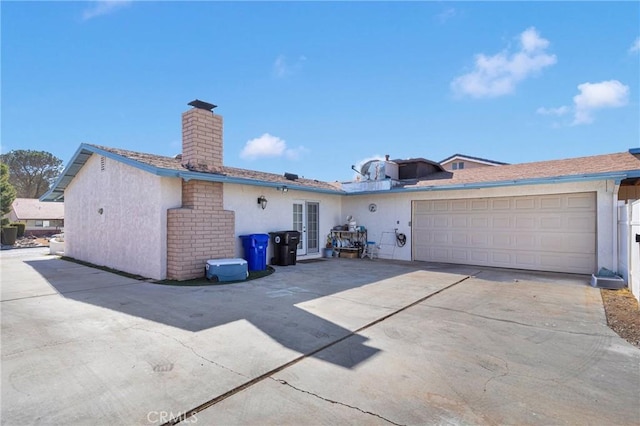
x,y
543,233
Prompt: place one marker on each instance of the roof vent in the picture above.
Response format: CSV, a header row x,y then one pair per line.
x,y
202,105
290,176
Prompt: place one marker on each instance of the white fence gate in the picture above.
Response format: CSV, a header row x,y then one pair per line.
x,y
629,246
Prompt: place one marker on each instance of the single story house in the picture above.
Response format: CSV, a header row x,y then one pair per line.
x,y
164,217
40,218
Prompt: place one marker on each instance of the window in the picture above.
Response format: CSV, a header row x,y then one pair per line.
x,y
39,223
457,166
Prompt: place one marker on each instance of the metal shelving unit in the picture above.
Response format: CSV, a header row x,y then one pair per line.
x,y
349,243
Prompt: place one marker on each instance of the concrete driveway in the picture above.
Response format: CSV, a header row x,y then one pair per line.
x,y
328,342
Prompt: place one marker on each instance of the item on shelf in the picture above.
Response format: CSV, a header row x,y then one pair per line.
x,y
345,241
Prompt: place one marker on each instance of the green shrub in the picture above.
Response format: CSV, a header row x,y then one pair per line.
x,y
21,226
5,221
8,235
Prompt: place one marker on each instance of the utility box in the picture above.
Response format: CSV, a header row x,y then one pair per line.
x,y
222,270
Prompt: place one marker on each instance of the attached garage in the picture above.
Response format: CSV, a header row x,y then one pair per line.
x,y
544,232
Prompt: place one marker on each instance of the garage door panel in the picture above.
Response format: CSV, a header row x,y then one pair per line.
x,y
478,257
459,205
581,223
550,202
552,222
500,223
526,241
525,203
479,239
552,242
550,232
440,222
526,222
501,258
500,204
480,205
440,238
503,241
563,243
481,222
441,206
460,255
581,201
567,263
440,255
526,260
460,239
459,221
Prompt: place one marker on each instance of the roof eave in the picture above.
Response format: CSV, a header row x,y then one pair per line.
x,y
212,177
82,154
615,176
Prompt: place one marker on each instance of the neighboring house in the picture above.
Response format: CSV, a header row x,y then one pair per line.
x,y
39,217
163,217
460,162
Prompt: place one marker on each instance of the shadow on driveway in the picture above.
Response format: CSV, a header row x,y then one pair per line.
x,y
270,303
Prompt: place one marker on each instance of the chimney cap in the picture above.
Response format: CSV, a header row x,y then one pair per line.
x,y
202,105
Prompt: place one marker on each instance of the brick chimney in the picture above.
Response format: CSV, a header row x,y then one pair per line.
x,y
201,138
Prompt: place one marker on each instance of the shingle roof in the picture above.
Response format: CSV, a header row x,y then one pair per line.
x,y
610,166
33,209
171,163
609,163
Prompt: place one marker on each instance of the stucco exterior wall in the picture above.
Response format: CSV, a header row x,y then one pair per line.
x,y
130,233
278,216
394,211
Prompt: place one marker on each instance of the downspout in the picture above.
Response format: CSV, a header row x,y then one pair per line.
x,y
616,188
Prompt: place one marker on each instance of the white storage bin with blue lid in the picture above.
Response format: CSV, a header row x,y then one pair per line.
x,y
223,270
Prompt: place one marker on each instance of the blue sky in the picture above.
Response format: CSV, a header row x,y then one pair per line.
x,y
312,88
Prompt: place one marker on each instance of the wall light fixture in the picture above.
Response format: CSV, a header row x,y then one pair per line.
x,y
262,201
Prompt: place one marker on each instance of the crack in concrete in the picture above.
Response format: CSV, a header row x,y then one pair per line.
x,y
296,360
284,382
506,367
517,323
30,297
60,293
192,350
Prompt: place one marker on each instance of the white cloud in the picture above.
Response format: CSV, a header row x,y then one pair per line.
x,y
554,111
635,47
594,96
270,146
283,68
295,153
446,14
498,75
103,7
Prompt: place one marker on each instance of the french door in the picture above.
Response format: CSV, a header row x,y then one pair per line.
x,y
306,220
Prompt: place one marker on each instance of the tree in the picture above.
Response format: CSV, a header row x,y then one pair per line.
x,y
7,191
31,172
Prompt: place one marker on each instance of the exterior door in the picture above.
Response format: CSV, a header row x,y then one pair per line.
x,y
306,220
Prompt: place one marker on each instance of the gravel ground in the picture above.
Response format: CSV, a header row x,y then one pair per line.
x,y
623,315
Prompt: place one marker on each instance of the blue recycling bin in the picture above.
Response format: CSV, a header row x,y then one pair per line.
x,y
255,251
